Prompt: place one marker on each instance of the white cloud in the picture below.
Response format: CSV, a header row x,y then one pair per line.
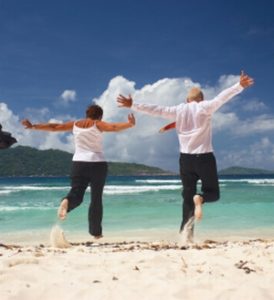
x,y
254,105
68,96
255,125
8,120
226,81
259,154
59,141
143,143
39,114
224,121
37,139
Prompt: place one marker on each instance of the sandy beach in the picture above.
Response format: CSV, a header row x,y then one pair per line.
x,y
138,270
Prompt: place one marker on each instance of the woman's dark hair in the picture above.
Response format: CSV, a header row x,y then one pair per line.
x,y
94,112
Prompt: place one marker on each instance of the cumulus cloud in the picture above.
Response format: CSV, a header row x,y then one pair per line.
x,y
254,125
35,114
254,105
224,121
8,120
143,143
37,139
258,154
68,96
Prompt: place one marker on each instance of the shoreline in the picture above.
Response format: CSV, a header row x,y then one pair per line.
x,y
42,236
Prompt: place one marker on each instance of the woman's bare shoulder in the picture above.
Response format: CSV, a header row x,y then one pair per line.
x,y
84,123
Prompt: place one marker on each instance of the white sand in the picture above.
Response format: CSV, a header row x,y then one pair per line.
x,y
57,238
138,270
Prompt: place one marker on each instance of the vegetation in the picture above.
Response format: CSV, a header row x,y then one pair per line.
x,y
245,171
27,161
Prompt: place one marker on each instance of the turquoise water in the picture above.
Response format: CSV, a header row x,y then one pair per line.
x,y
138,204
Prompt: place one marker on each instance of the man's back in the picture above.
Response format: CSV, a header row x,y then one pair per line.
x,y
193,125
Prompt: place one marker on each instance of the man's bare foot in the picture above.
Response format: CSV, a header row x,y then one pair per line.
x,y
63,209
97,237
198,201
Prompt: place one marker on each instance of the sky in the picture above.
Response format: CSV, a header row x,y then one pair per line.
x,y
59,56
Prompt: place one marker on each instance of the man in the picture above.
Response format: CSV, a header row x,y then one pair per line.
x,y
197,161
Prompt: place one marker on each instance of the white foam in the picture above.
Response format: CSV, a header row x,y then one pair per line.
x,y
5,192
133,189
15,208
32,188
263,181
158,181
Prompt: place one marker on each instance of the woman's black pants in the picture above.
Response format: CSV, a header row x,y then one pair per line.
x,y
82,175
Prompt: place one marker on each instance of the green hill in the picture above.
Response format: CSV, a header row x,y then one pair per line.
x,y
27,161
244,171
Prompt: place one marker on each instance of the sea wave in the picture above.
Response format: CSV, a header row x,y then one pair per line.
x,y
133,189
16,208
108,190
158,181
18,188
138,186
262,181
5,192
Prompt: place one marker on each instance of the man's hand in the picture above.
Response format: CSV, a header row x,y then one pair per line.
x,y
124,101
245,80
26,123
131,119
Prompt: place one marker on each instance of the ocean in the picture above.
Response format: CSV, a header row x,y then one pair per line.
x,y
136,207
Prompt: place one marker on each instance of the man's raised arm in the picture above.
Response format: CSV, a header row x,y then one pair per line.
x,y
244,82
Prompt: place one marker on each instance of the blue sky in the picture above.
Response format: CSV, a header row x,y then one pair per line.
x,y
58,56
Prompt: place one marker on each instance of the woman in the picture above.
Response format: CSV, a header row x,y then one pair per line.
x,y
89,166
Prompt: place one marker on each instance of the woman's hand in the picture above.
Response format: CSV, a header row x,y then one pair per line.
x,y
131,120
27,123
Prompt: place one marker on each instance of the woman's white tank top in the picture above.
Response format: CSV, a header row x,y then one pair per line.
x,y
88,144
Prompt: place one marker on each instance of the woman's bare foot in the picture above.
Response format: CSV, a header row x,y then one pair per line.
x,y
63,209
198,202
97,237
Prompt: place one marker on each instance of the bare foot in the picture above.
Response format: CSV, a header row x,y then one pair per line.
x,y
63,209
97,237
198,201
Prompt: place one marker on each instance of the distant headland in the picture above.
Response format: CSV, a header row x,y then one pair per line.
x,y
27,161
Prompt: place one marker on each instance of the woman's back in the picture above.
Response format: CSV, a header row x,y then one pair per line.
x,y
88,141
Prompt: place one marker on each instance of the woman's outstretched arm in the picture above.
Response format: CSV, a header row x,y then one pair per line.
x,y
104,126
48,126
